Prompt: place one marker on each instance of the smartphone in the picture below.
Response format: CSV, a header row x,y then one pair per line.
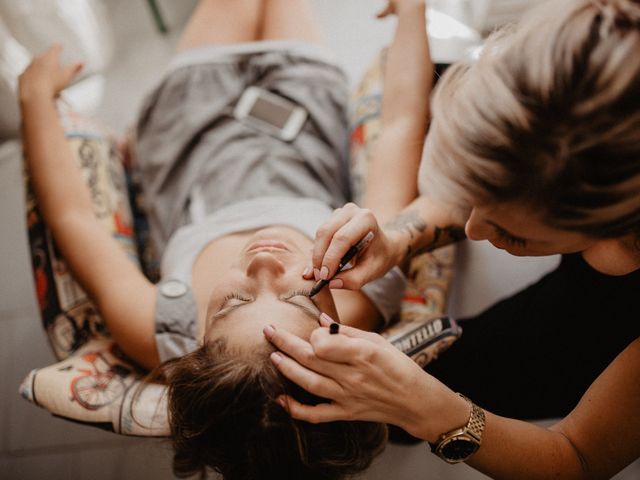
x,y
270,113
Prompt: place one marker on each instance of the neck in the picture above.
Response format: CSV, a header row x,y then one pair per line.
x,y
618,256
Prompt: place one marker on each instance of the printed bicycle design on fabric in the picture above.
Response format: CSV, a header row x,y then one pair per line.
x,y
101,384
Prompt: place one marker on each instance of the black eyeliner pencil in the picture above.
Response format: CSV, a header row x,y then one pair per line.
x,y
352,252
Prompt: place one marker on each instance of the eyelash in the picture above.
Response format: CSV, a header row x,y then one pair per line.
x,y
235,296
295,293
303,293
510,239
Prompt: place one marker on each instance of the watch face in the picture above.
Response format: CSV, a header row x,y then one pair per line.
x,y
458,449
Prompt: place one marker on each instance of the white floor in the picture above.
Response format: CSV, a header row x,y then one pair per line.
x,y
34,445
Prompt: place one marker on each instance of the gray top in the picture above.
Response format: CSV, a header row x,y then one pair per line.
x,y
206,174
187,137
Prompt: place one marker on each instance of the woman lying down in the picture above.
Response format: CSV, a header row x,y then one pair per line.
x,y
234,208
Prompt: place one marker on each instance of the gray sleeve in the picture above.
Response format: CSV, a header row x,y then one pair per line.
x,y
386,293
176,317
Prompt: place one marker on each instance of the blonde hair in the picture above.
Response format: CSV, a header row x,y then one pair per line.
x,y
549,116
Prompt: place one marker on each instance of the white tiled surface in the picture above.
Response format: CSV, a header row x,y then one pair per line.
x,y
35,445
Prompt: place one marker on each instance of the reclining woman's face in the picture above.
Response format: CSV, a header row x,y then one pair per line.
x,y
264,286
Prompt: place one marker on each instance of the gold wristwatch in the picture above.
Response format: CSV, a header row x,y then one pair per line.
x,y
460,444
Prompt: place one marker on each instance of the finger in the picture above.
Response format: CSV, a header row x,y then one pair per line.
x,y
326,321
296,348
307,273
311,381
347,236
53,52
388,10
354,278
70,71
325,233
343,350
321,413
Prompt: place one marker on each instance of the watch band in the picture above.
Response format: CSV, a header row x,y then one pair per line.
x,y
475,426
470,434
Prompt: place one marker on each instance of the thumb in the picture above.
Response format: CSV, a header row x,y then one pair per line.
x,y
69,72
388,10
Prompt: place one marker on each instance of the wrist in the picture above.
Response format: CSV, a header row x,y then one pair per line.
x,y
411,8
34,95
398,244
440,411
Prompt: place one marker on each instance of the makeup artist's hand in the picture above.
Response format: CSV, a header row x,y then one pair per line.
x,y
346,227
46,77
366,378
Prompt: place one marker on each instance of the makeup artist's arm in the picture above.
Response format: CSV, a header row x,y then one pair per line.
x,y
421,227
124,297
366,378
411,224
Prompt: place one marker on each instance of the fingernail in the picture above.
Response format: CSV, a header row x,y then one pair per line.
x,y
324,273
268,331
316,274
276,358
336,283
326,318
306,271
282,402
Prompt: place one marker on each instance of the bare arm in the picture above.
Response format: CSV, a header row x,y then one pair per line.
x,y
367,379
412,224
596,440
124,297
392,172
408,77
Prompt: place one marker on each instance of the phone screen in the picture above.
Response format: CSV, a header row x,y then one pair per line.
x,y
269,112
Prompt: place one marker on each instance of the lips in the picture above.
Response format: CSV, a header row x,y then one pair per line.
x,y
268,246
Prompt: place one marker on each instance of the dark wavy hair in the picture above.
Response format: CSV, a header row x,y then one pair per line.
x,y
224,416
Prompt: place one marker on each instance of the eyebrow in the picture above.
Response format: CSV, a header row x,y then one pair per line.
x,y
226,311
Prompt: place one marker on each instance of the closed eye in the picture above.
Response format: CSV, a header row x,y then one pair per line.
x,y
233,301
230,302
510,239
308,304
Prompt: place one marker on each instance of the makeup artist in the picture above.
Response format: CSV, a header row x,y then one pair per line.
x,y
536,148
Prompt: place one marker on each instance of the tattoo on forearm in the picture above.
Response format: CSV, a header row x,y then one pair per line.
x,y
411,223
443,236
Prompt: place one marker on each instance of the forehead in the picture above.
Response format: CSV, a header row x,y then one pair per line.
x,y
243,326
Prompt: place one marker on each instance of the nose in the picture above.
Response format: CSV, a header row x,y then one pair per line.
x,y
265,265
475,228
